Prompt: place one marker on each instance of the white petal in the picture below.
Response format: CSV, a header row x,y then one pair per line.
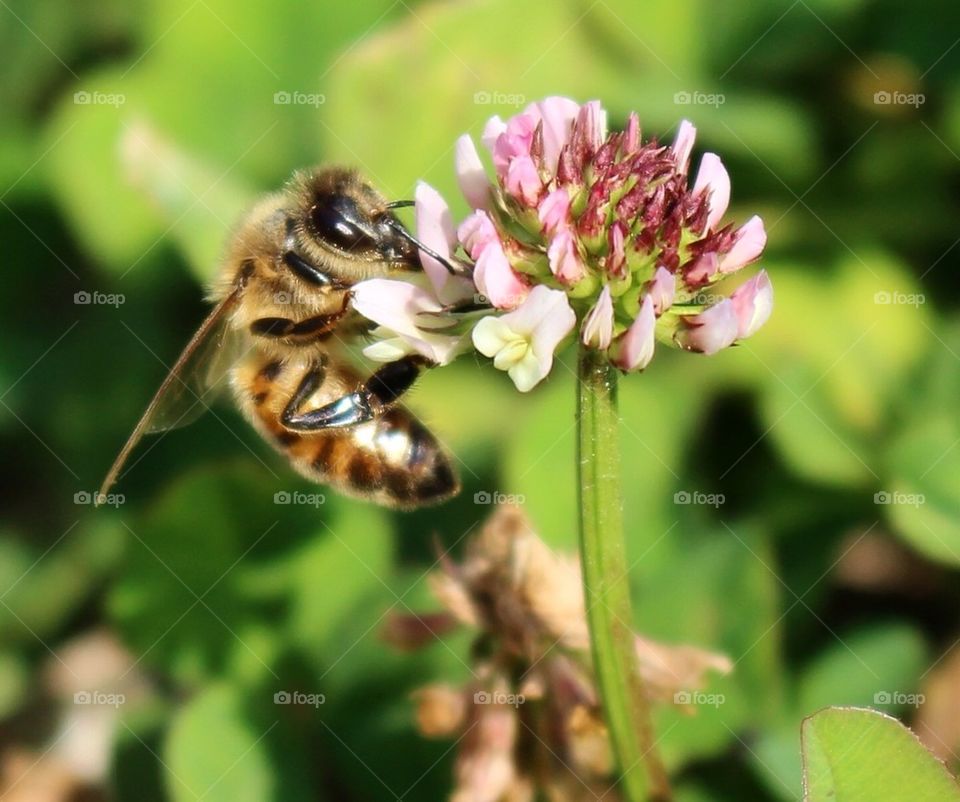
x,y
527,373
492,334
388,350
597,328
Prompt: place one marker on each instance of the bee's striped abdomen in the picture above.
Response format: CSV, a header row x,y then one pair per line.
x,y
393,460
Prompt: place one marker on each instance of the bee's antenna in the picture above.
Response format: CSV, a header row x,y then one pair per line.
x,y
397,226
401,204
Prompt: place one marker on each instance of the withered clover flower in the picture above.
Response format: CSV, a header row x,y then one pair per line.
x,y
530,719
582,228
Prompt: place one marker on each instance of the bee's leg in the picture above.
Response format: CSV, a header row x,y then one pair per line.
x,y
309,272
316,326
368,401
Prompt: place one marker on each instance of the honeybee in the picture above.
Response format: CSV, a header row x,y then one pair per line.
x,y
283,299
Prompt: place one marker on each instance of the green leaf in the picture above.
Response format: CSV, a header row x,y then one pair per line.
x,y
854,755
215,752
349,558
921,494
832,359
878,666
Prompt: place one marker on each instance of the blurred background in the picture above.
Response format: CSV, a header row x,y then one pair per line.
x,y
793,503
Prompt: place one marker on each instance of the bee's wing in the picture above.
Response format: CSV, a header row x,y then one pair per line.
x,y
186,391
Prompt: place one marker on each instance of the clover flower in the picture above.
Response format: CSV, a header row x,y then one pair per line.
x,y
530,718
610,224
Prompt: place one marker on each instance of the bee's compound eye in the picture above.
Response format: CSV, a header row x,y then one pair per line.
x,y
337,220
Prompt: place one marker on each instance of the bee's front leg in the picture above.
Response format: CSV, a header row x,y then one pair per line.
x,y
368,401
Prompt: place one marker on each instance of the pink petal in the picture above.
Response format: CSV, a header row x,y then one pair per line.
x,y
749,244
703,270
494,127
434,229
634,348
713,177
597,328
554,210
557,115
683,144
753,303
471,176
395,305
514,141
496,280
476,232
523,180
616,259
631,136
661,289
564,259
711,330
592,122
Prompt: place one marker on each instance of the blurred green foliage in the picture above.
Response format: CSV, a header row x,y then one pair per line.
x,y
836,424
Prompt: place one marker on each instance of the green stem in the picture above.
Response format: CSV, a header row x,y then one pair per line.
x,y
606,583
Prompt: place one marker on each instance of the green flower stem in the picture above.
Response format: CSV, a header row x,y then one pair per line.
x,y
606,583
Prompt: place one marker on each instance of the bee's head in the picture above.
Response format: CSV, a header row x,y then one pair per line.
x,y
341,221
